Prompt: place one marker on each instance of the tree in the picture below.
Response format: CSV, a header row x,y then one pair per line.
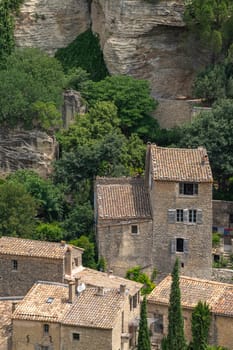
x,y
214,130
201,320
36,82
211,21
49,232
175,339
132,99
143,335
88,258
136,274
17,211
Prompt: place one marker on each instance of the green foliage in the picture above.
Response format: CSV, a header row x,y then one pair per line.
x,y
211,21
132,99
175,339
35,82
49,198
84,52
143,334
221,263
214,130
201,320
102,265
136,274
49,232
88,257
17,211
8,8
216,239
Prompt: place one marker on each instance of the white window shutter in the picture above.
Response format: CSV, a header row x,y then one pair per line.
x,y
173,246
186,246
186,215
199,216
171,216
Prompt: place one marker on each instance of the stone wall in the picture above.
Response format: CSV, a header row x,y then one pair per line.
x,y
197,261
222,275
221,213
122,249
18,282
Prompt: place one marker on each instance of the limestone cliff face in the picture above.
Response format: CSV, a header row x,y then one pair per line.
x,y
51,24
147,40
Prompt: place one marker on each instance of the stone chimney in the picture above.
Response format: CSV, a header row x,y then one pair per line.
x,y
122,289
110,273
68,261
72,292
100,291
63,243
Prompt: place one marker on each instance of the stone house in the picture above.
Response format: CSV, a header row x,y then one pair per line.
x,y
24,261
151,221
55,316
216,294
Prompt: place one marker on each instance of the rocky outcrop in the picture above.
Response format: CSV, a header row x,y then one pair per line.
x,y
73,105
51,24
26,149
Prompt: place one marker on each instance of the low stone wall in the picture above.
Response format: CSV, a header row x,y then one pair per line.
x,y
222,275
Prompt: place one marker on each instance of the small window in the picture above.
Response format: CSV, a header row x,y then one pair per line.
x,y
134,229
188,188
14,265
158,323
46,329
135,300
76,336
179,215
179,244
231,218
192,215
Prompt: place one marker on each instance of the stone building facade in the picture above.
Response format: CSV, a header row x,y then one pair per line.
x,y
170,217
217,295
24,261
56,316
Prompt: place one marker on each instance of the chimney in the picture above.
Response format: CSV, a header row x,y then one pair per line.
x,y
63,243
100,291
110,273
68,261
77,282
122,289
71,292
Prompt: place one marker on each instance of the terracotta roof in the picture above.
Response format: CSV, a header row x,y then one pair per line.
x,y
27,247
180,164
101,279
122,198
88,309
218,295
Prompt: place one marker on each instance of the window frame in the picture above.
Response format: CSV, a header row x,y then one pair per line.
x,y
14,264
75,336
132,229
158,326
179,245
179,215
46,329
188,188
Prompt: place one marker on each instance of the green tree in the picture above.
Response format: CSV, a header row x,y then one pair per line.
x,y
214,130
88,258
143,335
211,21
201,319
175,339
132,99
101,264
36,82
136,274
17,211
49,232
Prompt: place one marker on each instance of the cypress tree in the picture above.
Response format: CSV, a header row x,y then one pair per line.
x,y
175,339
201,320
143,335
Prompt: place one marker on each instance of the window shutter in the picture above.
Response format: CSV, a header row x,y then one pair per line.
x,y
171,216
199,216
186,215
173,246
186,246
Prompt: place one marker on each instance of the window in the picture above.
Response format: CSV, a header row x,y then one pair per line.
x,y
192,215
188,188
46,329
14,265
231,218
135,299
158,323
179,245
134,229
179,215
76,336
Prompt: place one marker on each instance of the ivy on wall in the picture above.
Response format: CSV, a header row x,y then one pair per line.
x,y
84,52
8,8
